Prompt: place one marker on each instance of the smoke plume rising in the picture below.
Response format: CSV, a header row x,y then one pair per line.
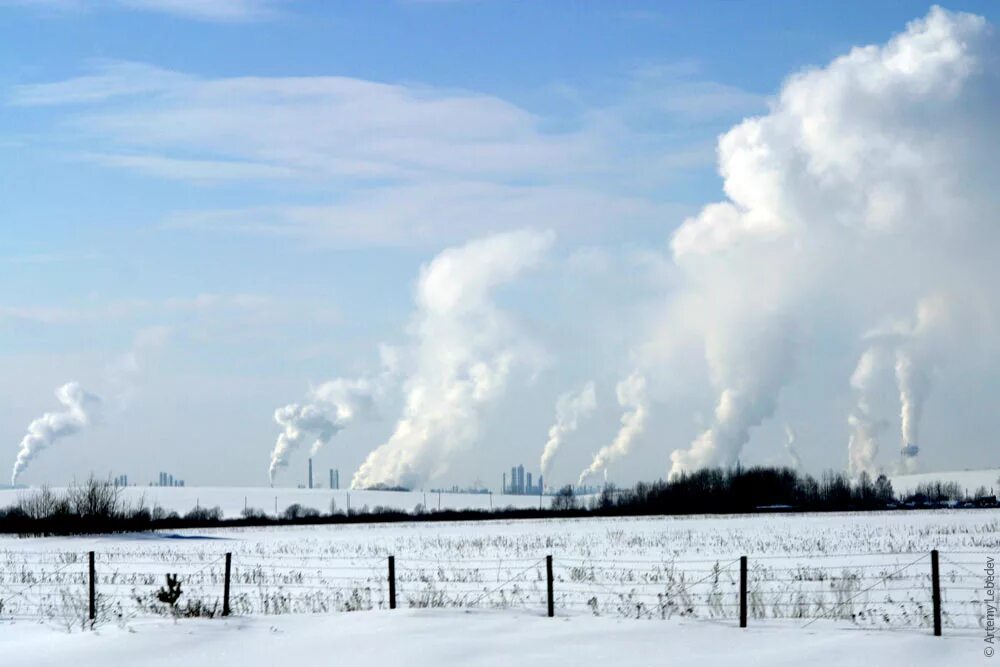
x,y
790,447
918,352
331,407
859,192
464,349
865,427
912,349
81,409
571,408
632,397
914,383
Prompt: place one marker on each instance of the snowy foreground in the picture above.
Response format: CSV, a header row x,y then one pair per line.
x,y
446,638
822,589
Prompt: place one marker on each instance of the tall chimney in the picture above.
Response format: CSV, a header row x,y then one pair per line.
x,y
310,485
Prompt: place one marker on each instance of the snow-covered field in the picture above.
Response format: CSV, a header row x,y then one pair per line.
x,y
232,500
449,638
819,585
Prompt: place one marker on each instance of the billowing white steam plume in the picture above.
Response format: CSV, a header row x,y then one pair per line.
x,y
463,351
914,383
571,408
865,427
81,409
330,408
632,397
790,448
749,372
863,188
930,337
912,349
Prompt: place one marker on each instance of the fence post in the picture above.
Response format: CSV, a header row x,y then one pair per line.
x,y
225,590
93,587
936,592
743,591
548,575
392,582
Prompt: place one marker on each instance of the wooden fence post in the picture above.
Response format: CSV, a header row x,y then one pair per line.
x,y
743,591
225,590
548,575
936,592
93,588
392,582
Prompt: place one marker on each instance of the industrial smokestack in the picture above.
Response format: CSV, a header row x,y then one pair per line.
x,y
310,483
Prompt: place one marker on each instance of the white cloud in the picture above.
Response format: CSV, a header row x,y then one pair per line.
x,y
322,127
201,10
196,171
394,163
103,311
209,10
439,212
110,80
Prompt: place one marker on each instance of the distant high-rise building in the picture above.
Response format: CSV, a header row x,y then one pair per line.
x,y
309,483
334,478
165,479
521,483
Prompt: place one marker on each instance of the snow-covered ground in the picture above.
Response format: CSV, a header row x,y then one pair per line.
x,y
232,500
448,638
823,589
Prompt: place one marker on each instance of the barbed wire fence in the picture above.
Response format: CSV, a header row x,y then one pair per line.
x,y
897,590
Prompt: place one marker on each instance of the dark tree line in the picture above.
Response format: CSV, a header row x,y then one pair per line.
x,y
717,490
96,506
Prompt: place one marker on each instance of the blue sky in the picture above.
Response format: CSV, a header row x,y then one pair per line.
x,y
263,180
